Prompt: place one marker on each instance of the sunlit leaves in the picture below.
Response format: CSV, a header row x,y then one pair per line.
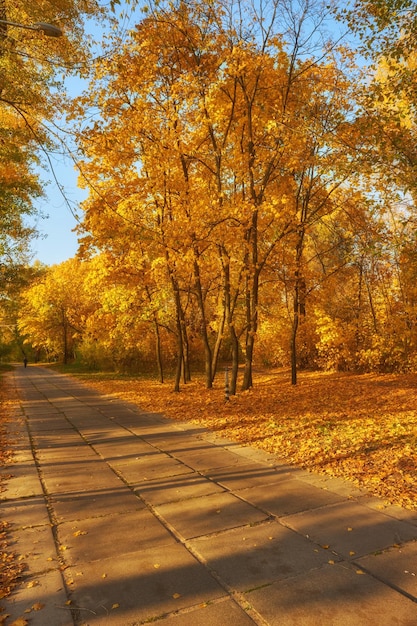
x,y
207,146
55,308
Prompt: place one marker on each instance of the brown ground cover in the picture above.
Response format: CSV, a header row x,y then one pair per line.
x,y
10,566
361,427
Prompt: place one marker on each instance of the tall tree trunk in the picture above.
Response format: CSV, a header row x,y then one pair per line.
x,y
218,344
180,353
207,348
65,337
299,294
358,314
235,358
180,336
186,371
158,349
252,298
295,323
229,310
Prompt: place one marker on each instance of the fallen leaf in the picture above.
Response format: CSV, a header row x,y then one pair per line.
x,y
32,583
176,596
38,606
115,605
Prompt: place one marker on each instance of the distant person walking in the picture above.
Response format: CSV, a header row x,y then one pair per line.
x,y
25,362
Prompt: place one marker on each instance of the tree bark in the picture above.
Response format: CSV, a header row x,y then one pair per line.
x,y
208,355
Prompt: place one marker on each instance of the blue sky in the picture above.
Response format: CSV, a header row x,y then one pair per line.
x,y
57,241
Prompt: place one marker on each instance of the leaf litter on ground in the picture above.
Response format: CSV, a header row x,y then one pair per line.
x,y
358,427
11,567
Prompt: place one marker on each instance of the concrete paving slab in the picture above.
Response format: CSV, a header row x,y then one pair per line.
x,y
248,475
286,497
142,425
73,465
209,457
85,414
22,481
111,536
20,455
181,442
25,512
101,402
56,440
157,432
396,566
255,556
213,513
95,434
48,422
61,455
141,587
224,612
71,406
377,504
40,601
124,414
94,503
338,485
19,442
334,595
77,409
351,529
126,447
145,417
41,410
176,488
35,547
79,477
148,467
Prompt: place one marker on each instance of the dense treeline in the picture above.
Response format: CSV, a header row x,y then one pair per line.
x,y
249,202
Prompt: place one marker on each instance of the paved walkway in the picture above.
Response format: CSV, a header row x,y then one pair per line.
x,y
124,517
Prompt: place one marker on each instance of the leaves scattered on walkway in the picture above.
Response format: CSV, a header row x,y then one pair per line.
x,y
360,427
10,567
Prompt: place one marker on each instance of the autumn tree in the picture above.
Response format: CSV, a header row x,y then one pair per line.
x,y
204,128
55,308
